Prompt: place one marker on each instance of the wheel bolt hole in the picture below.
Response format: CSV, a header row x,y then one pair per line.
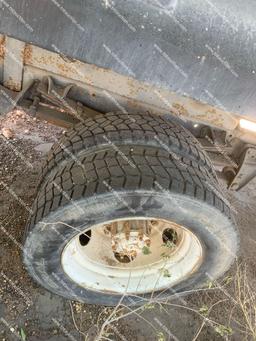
x,y
123,258
85,238
170,237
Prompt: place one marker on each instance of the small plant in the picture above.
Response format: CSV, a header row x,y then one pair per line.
x,y
209,284
22,335
223,330
160,336
241,297
149,306
146,250
204,310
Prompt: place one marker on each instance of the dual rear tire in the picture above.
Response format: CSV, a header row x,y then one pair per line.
x,y
139,171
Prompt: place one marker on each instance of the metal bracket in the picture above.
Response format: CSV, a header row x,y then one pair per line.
x,y
246,171
58,96
47,101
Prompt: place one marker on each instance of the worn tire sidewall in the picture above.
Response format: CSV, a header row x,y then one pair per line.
x,y
45,242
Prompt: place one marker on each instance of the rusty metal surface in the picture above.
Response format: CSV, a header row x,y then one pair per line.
x,y
2,46
109,90
202,49
13,64
2,51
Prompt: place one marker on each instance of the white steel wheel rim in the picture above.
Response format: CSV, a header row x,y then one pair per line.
x,y
161,265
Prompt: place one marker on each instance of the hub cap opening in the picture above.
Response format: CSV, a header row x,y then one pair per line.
x,y
84,238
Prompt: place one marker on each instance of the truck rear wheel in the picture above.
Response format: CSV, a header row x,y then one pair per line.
x,y
130,220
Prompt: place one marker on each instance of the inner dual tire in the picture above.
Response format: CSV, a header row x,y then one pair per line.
x,y
140,171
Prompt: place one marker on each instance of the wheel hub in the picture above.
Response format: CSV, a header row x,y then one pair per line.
x,y
129,239
141,255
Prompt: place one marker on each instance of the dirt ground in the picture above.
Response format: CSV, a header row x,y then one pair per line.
x,y
29,312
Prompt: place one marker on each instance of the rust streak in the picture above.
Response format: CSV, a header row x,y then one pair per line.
x,y
2,47
12,85
27,54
